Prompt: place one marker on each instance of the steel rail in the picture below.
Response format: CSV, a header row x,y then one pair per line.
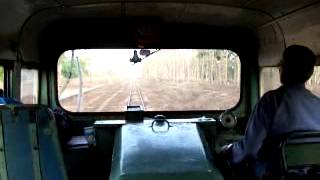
x,y
135,91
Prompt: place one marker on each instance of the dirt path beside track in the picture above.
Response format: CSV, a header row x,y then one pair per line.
x,y
157,96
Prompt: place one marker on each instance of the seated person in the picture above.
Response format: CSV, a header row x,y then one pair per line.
x,y
5,100
289,108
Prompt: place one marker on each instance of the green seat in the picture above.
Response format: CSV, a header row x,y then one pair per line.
x,y
300,154
30,145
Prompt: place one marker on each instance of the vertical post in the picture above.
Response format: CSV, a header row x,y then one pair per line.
x,y
79,100
16,83
70,75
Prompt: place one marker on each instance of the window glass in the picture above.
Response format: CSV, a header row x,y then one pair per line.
x,y
29,86
1,77
270,79
108,80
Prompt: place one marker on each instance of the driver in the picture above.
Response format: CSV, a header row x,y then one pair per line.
x,y
289,108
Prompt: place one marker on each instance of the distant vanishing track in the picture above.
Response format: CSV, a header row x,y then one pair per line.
x,y
135,97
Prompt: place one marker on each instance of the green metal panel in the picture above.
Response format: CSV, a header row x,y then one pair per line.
x,y
300,149
43,90
140,152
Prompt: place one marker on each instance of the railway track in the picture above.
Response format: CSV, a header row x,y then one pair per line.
x,y
117,97
135,97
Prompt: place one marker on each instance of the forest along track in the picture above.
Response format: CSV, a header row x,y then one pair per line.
x,y
135,97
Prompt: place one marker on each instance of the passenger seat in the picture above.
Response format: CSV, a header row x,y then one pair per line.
x,y
29,144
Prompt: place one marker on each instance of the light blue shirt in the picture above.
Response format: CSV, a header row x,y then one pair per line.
x,y
286,109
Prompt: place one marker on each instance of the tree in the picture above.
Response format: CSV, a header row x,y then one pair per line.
x,y
71,68
1,75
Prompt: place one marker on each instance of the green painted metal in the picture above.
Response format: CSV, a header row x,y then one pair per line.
x,y
16,80
302,154
43,90
146,151
300,149
52,89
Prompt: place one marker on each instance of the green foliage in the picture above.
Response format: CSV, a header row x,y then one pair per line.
x,y
1,75
69,67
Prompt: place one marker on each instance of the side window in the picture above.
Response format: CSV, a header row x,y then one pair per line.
x,y
1,78
29,86
314,82
270,79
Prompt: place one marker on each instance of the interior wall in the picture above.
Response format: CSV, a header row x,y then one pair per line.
x,y
179,13
301,28
297,27
272,44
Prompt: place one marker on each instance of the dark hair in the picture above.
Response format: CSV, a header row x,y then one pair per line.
x,y
297,64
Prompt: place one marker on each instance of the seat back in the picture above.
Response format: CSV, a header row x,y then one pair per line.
x,y
300,151
30,144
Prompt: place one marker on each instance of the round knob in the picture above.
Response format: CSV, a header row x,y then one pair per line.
x,y
160,124
228,120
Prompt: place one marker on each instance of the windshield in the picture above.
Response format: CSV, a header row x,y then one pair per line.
x,y
110,80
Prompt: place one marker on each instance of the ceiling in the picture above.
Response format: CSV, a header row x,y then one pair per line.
x,y
278,23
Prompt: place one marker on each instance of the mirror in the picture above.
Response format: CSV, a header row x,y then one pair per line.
x,y
144,52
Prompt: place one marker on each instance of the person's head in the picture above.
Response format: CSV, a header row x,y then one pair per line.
x,y
1,92
297,65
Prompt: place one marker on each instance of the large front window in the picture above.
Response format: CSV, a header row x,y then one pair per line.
x,y
109,80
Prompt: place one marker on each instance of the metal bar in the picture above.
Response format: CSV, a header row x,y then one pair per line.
x,y
141,98
129,100
33,129
135,91
106,123
3,166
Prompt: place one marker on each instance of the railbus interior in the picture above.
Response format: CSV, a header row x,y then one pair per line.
x,y
137,89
